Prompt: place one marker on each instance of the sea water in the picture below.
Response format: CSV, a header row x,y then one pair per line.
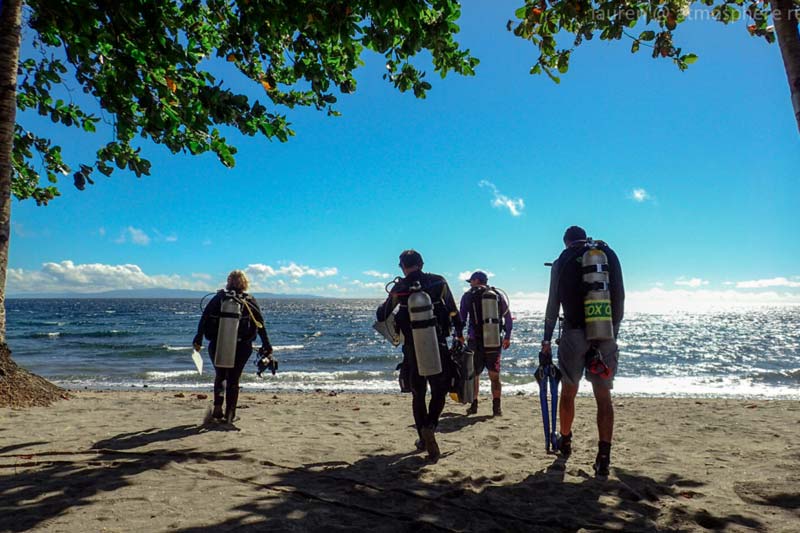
x,y
329,344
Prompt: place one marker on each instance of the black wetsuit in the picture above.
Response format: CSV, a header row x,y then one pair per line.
x,y
566,289
446,312
244,345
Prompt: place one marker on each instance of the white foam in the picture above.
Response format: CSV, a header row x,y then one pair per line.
x,y
379,382
176,348
54,334
288,347
169,374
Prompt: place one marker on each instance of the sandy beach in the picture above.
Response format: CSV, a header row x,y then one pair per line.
x,y
144,461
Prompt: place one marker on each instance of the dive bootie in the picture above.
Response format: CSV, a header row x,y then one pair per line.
x,y
496,410
230,415
473,408
217,413
564,445
603,460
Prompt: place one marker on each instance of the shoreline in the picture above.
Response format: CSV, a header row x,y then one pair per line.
x,y
584,392
142,460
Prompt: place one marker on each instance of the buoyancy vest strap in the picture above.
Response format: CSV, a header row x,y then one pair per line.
x,y
420,309
230,315
258,324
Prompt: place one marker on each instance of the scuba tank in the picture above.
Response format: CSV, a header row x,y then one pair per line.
x,y
228,331
490,314
423,331
597,298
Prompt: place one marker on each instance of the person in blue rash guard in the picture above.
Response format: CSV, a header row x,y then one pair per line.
x,y
567,290
484,358
446,316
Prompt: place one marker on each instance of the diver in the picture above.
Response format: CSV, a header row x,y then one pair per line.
x,y
231,321
426,314
586,280
488,311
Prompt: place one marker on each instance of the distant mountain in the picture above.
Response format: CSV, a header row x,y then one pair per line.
x,y
151,293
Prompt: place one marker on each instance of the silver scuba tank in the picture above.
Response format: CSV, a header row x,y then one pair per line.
x,y
423,332
228,331
490,312
597,300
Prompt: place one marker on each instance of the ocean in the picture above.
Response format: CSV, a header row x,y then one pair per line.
x,y
329,344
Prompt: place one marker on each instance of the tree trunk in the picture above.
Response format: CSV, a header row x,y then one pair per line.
x,y
784,17
10,16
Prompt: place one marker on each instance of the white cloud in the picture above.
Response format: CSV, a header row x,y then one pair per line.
x,y
293,270
101,231
658,299
165,238
67,276
376,274
467,273
764,283
135,235
693,282
200,275
640,195
515,206
21,231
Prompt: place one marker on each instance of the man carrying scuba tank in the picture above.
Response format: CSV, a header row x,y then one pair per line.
x,y
488,312
427,312
586,281
231,321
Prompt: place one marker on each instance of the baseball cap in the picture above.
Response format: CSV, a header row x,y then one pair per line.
x,y
478,275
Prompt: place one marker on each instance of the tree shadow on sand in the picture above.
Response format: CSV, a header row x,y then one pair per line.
x,y
397,493
37,487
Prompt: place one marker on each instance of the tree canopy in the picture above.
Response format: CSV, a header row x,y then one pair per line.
x,y
147,65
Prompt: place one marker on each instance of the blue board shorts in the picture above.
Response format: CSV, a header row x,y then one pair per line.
x,y
572,358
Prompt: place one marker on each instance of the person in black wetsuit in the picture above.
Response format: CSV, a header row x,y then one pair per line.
x,y
567,290
251,325
447,317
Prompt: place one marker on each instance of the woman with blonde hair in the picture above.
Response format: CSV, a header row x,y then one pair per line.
x,y
251,324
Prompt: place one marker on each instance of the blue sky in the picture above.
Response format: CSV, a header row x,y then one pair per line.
x,y
691,176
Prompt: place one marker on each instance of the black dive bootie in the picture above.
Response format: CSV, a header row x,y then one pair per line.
x,y
496,410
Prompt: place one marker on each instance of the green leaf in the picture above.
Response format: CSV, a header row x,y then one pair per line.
x,y
689,58
647,35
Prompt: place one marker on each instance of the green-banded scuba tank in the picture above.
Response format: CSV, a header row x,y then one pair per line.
x,y
423,331
490,316
228,330
597,298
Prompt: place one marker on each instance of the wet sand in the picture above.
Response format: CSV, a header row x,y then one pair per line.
x,y
144,461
